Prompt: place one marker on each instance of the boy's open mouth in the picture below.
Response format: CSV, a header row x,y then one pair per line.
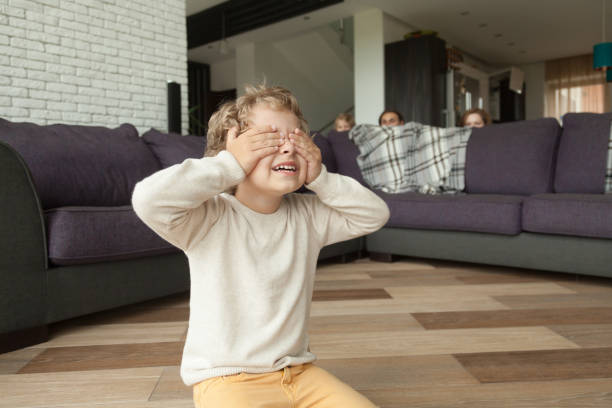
x,y
288,167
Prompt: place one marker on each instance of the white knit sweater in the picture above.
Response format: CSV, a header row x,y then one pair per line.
x,y
252,274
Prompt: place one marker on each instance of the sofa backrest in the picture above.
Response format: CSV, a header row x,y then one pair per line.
x,y
327,154
345,152
172,148
583,153
512,158
81,165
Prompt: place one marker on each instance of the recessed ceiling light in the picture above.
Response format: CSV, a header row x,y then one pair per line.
x,y
498,35
465,13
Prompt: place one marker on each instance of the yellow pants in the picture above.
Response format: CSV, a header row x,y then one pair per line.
x,y
303,386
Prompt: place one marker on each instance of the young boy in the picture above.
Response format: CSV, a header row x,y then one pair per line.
x,y
344,122
252,250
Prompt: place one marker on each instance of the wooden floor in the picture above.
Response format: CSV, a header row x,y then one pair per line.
x,y
405,334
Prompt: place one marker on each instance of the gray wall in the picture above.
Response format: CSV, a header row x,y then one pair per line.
x,y
534,90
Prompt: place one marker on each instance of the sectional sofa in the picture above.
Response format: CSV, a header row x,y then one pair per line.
x,y
534,198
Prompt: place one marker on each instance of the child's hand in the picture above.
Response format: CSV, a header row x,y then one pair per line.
x,y
309,151
252,145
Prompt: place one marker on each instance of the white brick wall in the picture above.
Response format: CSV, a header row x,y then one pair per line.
x,y
92,62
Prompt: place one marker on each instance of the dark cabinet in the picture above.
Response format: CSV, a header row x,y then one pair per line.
x,y
415,79
203,102
511,103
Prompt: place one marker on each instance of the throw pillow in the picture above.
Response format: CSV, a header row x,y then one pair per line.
x,y
583,150
345,152
512,158
74,165
172,148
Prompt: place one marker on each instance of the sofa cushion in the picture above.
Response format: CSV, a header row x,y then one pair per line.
x,y
583,153
327,157
512,158
327,154
83,235
172,148
81,165
496,214
345,152
585,215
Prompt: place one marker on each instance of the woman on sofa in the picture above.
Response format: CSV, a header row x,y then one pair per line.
x,y
475,118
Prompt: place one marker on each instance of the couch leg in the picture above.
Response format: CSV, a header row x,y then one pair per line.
x,y
381,257
23,338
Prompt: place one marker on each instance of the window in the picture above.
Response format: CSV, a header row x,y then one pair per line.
x,y
572,85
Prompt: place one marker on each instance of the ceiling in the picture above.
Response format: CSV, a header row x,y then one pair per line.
x,y
499,32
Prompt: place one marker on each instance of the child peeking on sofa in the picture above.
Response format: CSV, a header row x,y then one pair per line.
x,y
252,248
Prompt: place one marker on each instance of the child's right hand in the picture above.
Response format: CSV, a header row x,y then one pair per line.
x,y
252,145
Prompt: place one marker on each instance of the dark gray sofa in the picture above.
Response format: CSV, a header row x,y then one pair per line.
x,y
534,198
65,223
70,243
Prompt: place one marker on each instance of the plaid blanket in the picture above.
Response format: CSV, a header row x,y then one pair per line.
x,y
412,157
608,189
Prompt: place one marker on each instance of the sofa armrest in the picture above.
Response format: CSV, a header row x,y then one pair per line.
x,y
23,252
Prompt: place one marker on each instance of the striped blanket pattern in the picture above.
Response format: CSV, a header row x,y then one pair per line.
x,y
412,157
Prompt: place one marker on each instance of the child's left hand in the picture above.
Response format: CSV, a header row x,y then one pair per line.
x,y
306,148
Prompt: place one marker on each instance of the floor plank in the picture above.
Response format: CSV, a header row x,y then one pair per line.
x,y
540,365
83,358
11,363
78,387
559,301
171,387
138,315
494,290
496,278
365,265
184,403
586,335
384,283
398,371
341,275
116,334
410,343
430,273
349,294
589,285
362,323
409,305
510,318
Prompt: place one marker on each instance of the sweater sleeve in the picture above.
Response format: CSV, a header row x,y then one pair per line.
x,y
345,208
177,203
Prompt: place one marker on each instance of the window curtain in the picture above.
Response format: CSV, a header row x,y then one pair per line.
x,y
572,85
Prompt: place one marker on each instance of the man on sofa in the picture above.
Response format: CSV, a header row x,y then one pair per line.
x,y
390,118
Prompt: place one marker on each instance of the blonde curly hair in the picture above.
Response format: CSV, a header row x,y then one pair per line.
x,y
235,113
